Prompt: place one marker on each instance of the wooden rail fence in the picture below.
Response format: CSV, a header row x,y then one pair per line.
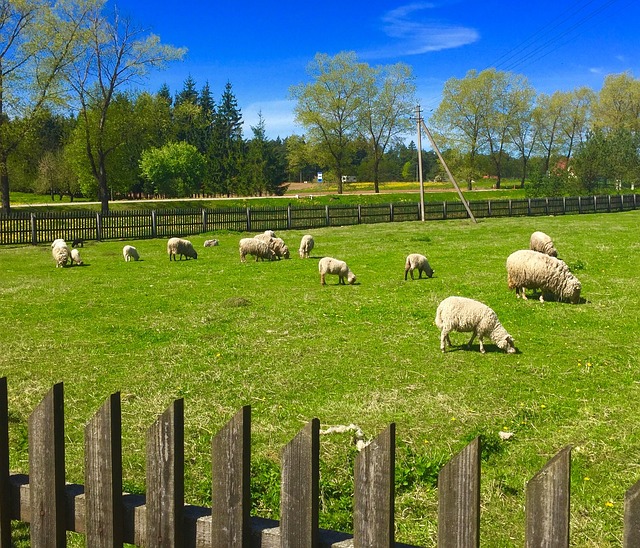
x,y
108,517
34,228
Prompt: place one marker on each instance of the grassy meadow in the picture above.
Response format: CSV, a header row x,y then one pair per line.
x,y
222,334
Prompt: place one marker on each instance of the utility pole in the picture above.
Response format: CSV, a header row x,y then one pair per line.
x,y
418,115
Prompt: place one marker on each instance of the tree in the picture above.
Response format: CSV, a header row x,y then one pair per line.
x,y
548,116
176,169
577,118
618,104
114,55
387,106
329,107
55,175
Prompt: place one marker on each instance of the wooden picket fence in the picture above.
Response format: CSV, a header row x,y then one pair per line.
x,y
108,517
35,228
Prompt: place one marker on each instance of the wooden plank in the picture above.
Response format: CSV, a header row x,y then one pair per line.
x,y
46,471
103,476
299,490
5,493
231,476
547,504
165,479
374,491
632,516
459,499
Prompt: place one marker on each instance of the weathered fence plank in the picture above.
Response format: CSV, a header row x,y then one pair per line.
x,y
632,516
373,505
46,470
165,479
231,475
547,504
299,500
5,494
459,499
103,476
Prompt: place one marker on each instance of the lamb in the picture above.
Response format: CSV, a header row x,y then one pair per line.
x,y
542,243
178,246
60,252
129,252
253,246
528,269
329,265
468,315
211,243
75,257
416,261
306,245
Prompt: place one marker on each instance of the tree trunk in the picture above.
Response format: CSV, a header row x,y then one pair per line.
x,y
4,185
376,175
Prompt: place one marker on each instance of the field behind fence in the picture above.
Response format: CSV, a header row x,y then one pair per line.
x,y
108,517
36,228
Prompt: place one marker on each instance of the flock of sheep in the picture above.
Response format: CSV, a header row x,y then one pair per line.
x,y
536,268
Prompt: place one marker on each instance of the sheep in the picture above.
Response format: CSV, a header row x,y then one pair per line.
x,y
75,257
78,242
468,315
253,246
178,246
60,252
528,269
306,245
542,243
129,252
280,249
270,233
211,243
329,265
416,261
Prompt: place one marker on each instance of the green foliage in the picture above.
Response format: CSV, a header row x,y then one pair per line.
x,y
176,169
416,468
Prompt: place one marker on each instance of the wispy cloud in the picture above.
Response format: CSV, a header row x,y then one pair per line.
x,y
413,34
595,70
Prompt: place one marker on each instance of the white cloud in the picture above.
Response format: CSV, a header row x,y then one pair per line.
x,y
414,35
595,70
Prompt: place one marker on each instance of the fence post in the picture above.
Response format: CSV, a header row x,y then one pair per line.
x,y
459,499
510,208
546,206
289,217
165,478
5,500
248,219
359,214
231,475
299,490
204,220
632,516
98,226
373,505
579,205
326,213
529,207
391,212
34,236
444,210
564,205
103,476
547,503
46,471
154,224
488,208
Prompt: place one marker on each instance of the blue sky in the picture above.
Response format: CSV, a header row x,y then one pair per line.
x,y
263,48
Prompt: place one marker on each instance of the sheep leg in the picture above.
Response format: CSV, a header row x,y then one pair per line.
x,y
473,336
322,282
524,294
481,345
406,270
444,339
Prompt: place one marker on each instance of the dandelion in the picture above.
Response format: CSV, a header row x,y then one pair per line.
x,y
543,406
587,478
453,418
609,504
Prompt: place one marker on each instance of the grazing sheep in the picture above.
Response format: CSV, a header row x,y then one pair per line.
x,y
270,233
328,265
57,242
306,245
419,262
129,252
528,269
60,252
468,315
542,243
280,249
211,243
75,257
178,246
78,242
253,246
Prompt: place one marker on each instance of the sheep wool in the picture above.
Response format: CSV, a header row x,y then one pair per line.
x,y
329,265
542,243
211,243
415,261
528,269
468,315
253,246
306,245
75,257
178,246
279,248
129,252
60,252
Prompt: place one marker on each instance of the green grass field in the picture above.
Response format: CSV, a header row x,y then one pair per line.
x,y
222,334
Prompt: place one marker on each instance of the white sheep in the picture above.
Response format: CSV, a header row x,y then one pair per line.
x,y
211,243
468,315
416,261
270,233
306,245
253,246
57,242
329,265
528,269
75,257
280,249
129,252
178,246
60,252
542,243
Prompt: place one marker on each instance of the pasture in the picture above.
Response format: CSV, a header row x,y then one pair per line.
x,y
222,334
